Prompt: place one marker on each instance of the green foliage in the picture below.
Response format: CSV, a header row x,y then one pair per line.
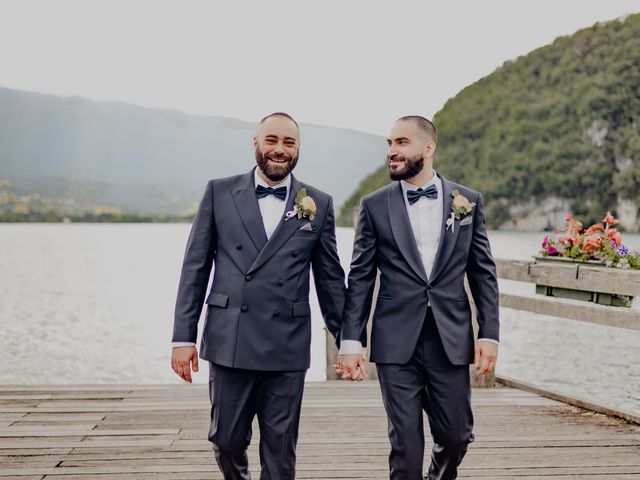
x,y
36,207
563,120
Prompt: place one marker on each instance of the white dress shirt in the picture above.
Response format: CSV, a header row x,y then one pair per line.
x,y
425,217
272,212
271,207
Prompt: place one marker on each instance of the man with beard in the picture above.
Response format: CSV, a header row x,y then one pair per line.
x,y
262,230
423,233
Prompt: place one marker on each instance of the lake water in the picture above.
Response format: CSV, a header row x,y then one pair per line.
x,y
93,303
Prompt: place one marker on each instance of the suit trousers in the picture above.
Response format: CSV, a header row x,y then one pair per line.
x,y
237,396
429,382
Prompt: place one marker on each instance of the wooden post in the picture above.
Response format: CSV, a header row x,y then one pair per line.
x,y
488,379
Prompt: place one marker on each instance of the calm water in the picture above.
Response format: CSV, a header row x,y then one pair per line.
x,y
93,303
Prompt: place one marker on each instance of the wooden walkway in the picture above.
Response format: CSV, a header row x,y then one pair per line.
x,y
159,432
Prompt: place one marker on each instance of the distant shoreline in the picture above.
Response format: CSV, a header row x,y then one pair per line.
x,y
96,219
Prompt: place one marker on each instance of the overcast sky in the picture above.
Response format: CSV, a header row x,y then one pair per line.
x,y
349,63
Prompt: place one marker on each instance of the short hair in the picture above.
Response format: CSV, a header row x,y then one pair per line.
x,y
280,114
424,124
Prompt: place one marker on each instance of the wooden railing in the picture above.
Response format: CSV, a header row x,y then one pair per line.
x,y
561,275
573,276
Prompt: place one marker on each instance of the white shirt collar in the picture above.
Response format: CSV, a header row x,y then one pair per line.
x,y
257,179
435,180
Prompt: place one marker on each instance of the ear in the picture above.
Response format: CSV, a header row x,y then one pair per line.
x,y
255,142
429,149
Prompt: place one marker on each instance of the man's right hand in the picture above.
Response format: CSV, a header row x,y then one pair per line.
x,y
352,367
183,359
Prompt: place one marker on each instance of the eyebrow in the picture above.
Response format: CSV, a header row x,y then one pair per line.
x,y
397,139
276,137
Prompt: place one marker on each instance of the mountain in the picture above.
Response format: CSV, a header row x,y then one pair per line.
x,y
554,132
152,161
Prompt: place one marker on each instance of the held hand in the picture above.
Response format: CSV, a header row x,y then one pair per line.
x,y
486,356
352,367
183,359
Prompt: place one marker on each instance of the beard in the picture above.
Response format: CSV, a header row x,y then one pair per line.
x,y
412,167
276,172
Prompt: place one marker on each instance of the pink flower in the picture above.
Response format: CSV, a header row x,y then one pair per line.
x,y
552,250
609,219
615,236
596,227
545,242
591,242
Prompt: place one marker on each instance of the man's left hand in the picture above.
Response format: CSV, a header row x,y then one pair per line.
x,y
352,367
486,356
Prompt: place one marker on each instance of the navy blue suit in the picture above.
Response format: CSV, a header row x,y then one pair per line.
x,y
422,337
257,331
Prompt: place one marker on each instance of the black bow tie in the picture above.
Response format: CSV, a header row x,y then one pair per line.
x,y
414,195
280,193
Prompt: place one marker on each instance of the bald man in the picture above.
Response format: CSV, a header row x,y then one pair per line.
x,y
262,230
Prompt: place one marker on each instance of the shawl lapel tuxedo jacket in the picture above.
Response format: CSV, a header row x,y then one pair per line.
x,y
258,315
384,240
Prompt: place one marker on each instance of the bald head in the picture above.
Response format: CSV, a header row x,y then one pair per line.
x,y
278,119
425,127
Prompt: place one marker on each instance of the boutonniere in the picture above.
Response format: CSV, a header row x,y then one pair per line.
x,y
460,206
304,206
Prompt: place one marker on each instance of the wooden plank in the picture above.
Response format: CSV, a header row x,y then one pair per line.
x,y
574,310
571,275
518,434
578,402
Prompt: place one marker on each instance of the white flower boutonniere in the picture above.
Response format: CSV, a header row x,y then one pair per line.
x,y
460,207
304,206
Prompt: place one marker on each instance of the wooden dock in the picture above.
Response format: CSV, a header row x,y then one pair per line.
x,y
159,432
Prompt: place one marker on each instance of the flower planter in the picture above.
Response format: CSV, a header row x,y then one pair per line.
x,y
595,263
600,298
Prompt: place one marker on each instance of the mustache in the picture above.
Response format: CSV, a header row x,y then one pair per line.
x,y
278,156
396,158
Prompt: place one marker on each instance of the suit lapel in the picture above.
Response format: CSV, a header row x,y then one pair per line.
x,y
447,239
402,231
247,205
282,232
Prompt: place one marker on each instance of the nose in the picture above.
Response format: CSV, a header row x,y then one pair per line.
x,y
279,148
391,152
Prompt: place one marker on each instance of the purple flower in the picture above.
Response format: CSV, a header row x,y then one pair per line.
x,y
621,250
613,244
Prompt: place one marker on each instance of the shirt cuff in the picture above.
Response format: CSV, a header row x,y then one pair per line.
x,y
490,340
182,344
350,347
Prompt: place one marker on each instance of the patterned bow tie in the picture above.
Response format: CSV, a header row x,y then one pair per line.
x,y
280,193
414,195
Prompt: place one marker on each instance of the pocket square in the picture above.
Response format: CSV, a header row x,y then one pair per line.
x,y
466,221
307,227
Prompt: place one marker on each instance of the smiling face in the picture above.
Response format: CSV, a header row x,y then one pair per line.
x,y
410,151
277,147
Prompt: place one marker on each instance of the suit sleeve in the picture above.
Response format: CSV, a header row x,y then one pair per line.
x,y
483,281
196,268
362,277
328,274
